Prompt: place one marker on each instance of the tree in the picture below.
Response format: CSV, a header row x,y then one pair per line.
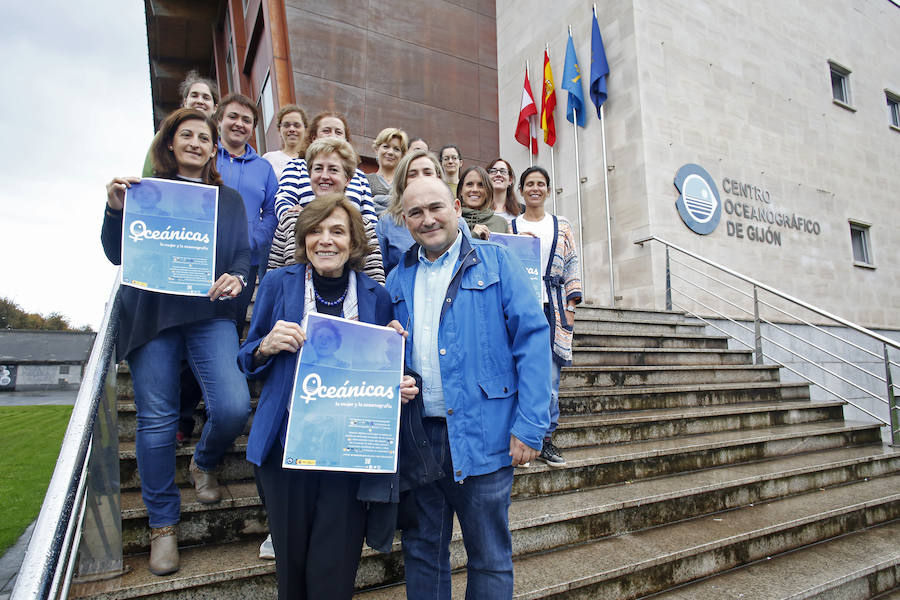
x,y
13,317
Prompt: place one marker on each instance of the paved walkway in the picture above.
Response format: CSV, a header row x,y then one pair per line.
x,y
11,561
38,397
12,558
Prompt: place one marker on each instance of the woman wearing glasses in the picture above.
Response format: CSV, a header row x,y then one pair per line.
x,y
292,124
503,182
451,162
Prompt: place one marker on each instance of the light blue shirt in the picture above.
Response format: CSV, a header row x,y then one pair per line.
x,y
432,279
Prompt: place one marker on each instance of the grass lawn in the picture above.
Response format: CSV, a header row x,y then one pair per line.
x,y
29,444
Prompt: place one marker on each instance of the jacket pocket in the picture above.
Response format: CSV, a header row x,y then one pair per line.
x,y
497,411
502,386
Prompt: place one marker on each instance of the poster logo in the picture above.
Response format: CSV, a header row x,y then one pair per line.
x,y
698,202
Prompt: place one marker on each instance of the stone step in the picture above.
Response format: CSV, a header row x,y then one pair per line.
x,y
652,560
234,467
664,375
588,356
630,426
601,465
595,311
125,391
588,400
239,516
649,340
543,523
127,419
588,324
854,566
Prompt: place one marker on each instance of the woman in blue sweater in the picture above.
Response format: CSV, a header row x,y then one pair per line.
x,y
157,331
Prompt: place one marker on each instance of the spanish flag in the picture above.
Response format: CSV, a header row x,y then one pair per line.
x,y
548,103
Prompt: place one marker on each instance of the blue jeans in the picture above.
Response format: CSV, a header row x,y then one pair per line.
x,y
481,502
210,348
555,370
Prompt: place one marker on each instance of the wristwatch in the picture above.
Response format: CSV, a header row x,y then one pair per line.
x,y
241,278
570,309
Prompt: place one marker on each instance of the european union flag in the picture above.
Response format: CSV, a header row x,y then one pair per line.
x,y
572,84
599,68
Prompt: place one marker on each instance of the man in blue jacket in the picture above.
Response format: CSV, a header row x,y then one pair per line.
x,y
246,171
480,343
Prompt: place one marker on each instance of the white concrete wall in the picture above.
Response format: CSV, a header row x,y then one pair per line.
x,y
741,87
47,376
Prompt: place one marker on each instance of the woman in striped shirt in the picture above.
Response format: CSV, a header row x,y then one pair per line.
x,y
295,190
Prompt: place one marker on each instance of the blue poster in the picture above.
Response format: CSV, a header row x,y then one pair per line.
x,y
169,236
345,404
528,250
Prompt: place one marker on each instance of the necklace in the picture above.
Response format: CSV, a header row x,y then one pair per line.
x,y
334,302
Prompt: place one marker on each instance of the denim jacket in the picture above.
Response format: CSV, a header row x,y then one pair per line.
x,y
494,353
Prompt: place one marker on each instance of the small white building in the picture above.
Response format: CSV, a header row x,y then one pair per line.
x,y
42,360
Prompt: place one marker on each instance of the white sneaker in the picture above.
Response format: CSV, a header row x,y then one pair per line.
x,y
266,549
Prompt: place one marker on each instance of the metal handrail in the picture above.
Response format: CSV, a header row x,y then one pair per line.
x,y
893,421
771,290
47,565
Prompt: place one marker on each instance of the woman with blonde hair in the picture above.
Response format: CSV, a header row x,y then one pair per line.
x,y
331,166
390,145
393,236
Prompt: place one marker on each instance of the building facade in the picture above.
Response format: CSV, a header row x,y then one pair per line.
x,y
33,359
791,109
428,67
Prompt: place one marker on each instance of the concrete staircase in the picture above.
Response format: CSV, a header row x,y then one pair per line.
x,y
691,473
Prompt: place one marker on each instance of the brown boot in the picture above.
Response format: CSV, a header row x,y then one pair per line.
x,y
163,550
206,484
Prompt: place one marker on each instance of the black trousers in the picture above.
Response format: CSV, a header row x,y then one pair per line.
x,y
317,526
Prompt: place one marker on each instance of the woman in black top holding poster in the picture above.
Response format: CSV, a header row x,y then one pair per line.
x,y
157,331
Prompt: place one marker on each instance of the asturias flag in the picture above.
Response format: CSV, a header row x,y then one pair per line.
x,y
572,84
525,133
599,68
548,103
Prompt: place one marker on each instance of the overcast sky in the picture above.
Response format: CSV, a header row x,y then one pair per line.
x,y
76,110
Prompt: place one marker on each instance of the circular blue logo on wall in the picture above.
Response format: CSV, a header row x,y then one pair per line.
x,y
698,203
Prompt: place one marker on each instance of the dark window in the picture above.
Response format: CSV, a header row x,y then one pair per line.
x,y
893,102
840,83
859,241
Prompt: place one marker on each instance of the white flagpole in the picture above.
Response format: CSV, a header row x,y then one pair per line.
x,y
552,159
612,285
578,193
530,123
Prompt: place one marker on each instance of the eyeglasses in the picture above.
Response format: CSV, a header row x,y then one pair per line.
x,y
498,172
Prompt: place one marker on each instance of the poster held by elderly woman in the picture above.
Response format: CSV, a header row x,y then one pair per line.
x,y
169,236
345,404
